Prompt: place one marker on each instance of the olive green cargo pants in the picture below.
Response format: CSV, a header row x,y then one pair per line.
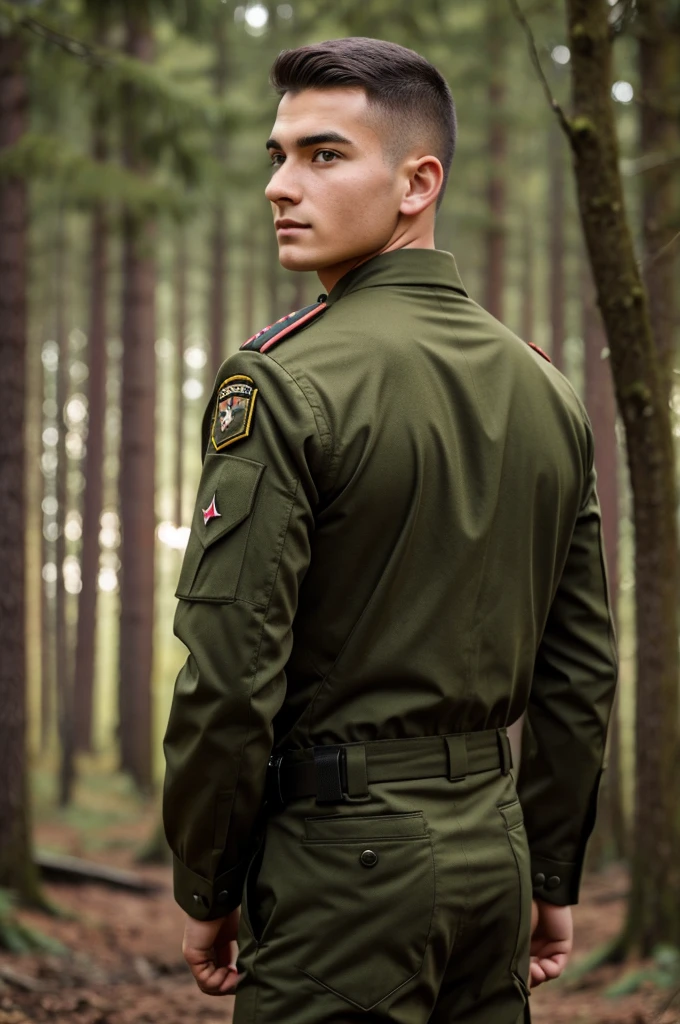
x,y
410,908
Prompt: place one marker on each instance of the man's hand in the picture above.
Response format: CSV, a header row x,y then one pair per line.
x,y
210,949
552,935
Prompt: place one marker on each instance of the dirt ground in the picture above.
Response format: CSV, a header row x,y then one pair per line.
x,y
124,964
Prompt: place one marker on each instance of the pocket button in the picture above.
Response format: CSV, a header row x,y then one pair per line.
x,y
369,859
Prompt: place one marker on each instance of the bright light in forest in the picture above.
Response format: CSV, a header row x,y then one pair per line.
x,y
48,463
109,538
50,531
622,92
74,527
256,18
172,536
76,409
73,584
195,357
50,505
192,388
78,372
50,437
49,572
110,520
74,445
107,580
50,355
284,11
561,55
50,408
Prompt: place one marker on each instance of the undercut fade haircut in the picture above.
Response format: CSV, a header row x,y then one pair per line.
x,y
410,94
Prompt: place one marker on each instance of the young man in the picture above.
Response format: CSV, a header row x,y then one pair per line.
x,y
396,551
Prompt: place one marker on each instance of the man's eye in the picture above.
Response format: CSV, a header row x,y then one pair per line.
x,y
277,159
327,156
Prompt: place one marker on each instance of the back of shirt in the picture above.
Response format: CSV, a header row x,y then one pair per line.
x,y
396,534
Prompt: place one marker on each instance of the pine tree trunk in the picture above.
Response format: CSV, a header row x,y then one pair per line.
x,y
218,242
84,677
63,673
556,217
659,59
249,280
16,864
137,457
640,384
181,260
527,314
496,45
273,278
601,405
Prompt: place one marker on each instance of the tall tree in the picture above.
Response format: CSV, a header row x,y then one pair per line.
x,y
497,145
218,240
137,456
640,383
556,215
181,261
659,59
16,863
84,674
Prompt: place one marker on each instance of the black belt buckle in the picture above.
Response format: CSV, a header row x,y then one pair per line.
x,y
273,784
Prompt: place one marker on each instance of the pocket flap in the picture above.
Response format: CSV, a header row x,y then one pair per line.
x,y
345,827
225,496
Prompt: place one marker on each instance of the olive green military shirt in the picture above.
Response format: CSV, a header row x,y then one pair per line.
x,y
396,534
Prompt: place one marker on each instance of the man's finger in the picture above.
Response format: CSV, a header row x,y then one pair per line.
x,y
215,981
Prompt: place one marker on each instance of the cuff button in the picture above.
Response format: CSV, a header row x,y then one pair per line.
x,y
553,882
199,900
539,879
223,896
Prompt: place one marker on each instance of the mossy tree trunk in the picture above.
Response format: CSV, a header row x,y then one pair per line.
x,y
654,909
659,60
16,864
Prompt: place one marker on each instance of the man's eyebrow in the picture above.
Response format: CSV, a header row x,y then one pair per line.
x,y
312,140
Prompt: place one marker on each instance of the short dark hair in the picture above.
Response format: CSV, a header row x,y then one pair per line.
x,y
403,84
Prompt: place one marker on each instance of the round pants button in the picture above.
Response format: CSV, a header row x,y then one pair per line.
x,y
369,859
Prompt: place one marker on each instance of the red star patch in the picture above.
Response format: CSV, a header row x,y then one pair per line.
x,y
210,512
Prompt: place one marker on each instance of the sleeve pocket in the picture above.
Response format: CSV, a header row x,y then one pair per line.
x,y
219,531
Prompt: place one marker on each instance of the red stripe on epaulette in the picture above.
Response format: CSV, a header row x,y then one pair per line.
x,y
280,329
539,350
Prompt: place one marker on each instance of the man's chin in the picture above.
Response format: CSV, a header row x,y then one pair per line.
x,y
293,258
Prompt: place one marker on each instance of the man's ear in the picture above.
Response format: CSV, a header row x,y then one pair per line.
x,y
425,179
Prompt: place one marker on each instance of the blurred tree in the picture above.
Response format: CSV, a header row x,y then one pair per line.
x,y
496,55
556,157
17,870
641,390
658,30
181,265
138,438
84,672
218,240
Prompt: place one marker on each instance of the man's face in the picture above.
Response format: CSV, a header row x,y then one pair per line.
x,y
331,178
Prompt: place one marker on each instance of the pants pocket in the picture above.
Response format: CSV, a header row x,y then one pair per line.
x,y
370,885
514,827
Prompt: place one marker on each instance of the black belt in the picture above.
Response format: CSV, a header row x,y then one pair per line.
x,y
342,773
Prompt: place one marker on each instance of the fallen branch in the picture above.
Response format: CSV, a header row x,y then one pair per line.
x,y
61,868
22,981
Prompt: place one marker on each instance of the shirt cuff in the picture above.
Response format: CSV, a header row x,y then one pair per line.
x,y
206,900
555,881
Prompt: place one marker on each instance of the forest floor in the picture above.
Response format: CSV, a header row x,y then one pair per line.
x,y
122,962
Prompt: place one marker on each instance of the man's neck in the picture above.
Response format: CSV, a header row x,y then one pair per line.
x,y
329,276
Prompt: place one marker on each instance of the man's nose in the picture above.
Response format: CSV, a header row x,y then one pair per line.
x,y
282,188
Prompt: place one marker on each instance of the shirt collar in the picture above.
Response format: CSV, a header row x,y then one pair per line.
x,y
425,267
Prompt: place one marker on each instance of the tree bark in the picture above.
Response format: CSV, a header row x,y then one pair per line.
x,y
600,402
556,215
137,460
658,60
640,384
218,242
496,45
180,344
63,668
17,870
84,678
527,313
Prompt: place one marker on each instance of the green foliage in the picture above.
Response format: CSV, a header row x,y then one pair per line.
x,y
663,974
17,937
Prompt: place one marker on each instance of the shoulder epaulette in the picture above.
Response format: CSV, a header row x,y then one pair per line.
x,y
539,350
287,325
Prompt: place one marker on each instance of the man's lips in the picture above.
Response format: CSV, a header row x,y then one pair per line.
x,y
287,225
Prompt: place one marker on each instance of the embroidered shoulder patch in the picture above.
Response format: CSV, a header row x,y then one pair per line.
x,y
276,332
234,410
539,350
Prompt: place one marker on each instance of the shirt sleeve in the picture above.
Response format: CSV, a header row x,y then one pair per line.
x,y
248,551
568,712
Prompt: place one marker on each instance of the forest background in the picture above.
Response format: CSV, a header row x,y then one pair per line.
x,y
137,252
